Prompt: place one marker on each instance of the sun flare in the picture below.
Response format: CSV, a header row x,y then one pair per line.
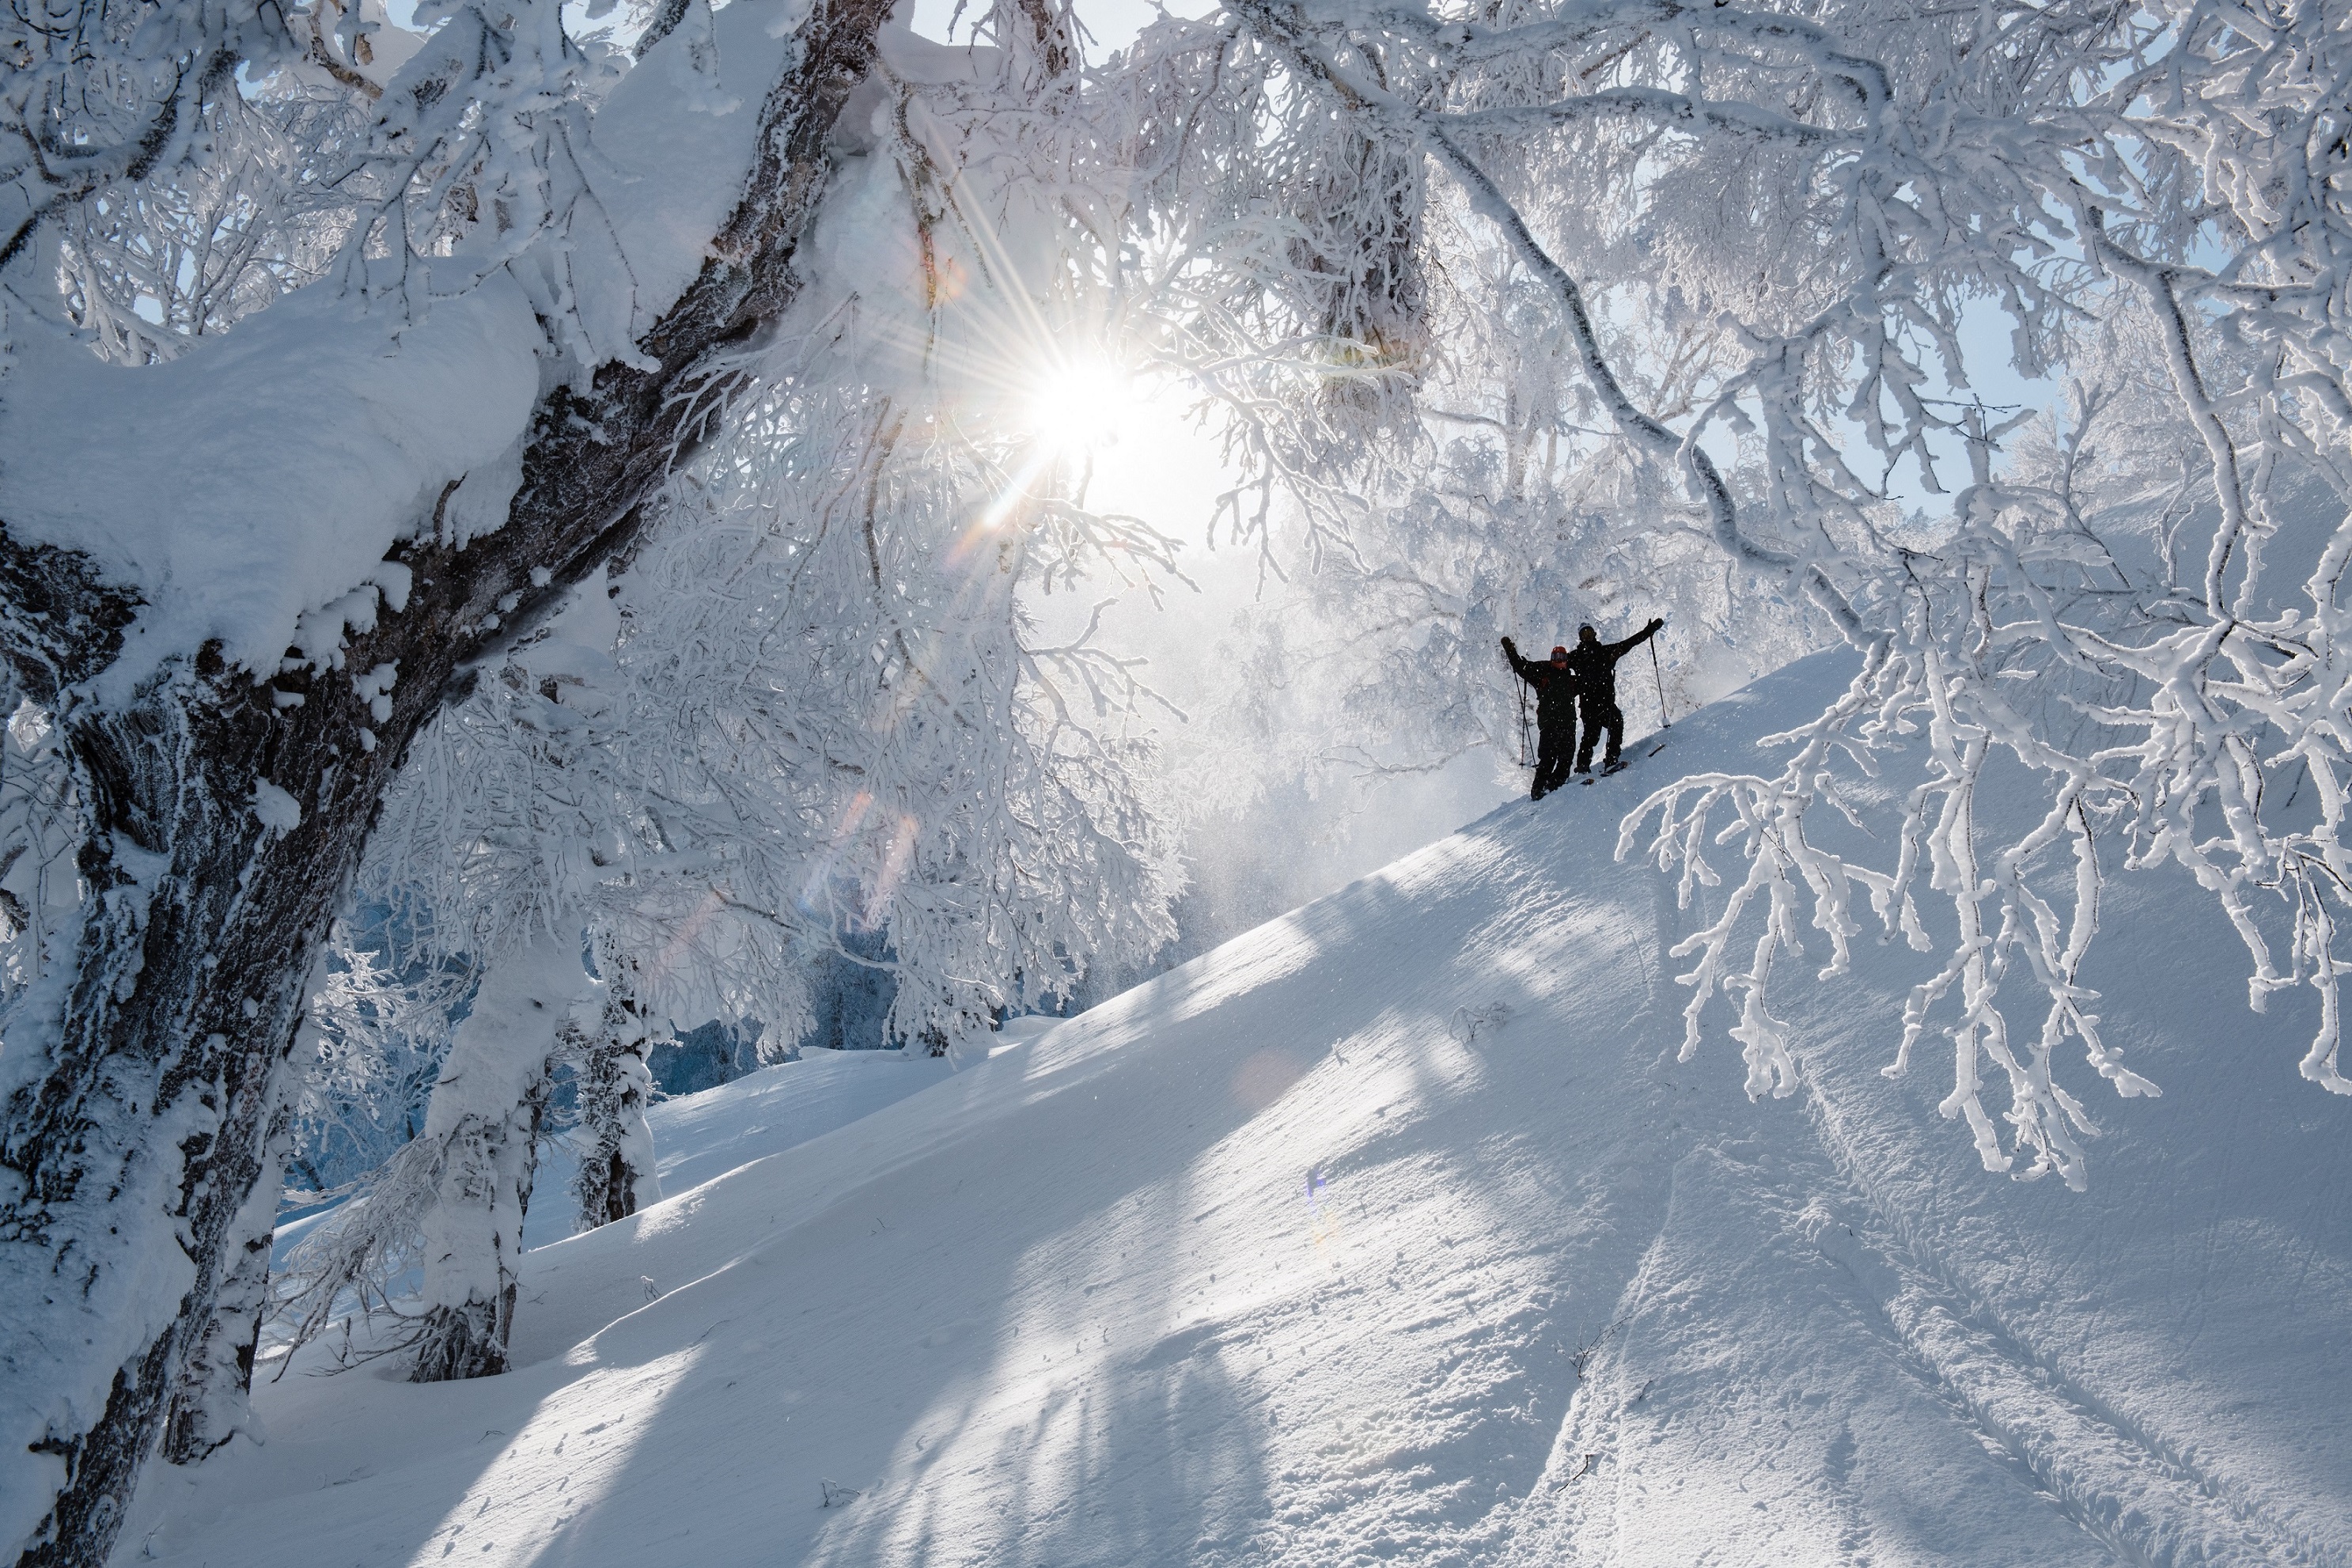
x,y
1082,404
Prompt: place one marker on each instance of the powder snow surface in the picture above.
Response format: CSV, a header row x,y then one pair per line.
x,y
699,1136
1265,1262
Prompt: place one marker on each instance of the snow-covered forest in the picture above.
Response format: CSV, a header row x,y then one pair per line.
x,y
550,554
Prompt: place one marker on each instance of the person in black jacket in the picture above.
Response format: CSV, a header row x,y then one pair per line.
x,y
1593,669
1556,694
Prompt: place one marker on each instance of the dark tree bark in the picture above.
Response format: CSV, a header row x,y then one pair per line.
x,y
208,1404
616,1174
149,1124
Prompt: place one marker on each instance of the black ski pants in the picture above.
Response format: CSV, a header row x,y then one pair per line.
x,y
1555,751
1600,713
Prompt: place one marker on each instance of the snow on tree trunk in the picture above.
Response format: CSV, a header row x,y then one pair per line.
x,y
485,1114
210,1404
1361,213
616,1173
223,821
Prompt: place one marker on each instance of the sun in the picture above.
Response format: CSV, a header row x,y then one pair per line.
x,y
1076,405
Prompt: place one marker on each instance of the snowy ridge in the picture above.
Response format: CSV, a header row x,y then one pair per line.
x,y
1393,1230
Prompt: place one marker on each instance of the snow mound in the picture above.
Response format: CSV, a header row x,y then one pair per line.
x,y
699,1137
1393,1230
706,1135
222,535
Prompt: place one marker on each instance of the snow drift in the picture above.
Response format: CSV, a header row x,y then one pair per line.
x,y
1394,1229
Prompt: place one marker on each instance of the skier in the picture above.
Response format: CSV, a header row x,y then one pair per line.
x,y
1593,669
1556,690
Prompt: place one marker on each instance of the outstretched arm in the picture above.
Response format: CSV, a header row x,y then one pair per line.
x,y
1638,638
1524,668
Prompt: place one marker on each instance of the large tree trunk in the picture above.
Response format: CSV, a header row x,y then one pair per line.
x,y
209,1405
135,1140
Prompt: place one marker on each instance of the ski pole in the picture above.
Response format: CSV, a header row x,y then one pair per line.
x,y
1525,759
1659,676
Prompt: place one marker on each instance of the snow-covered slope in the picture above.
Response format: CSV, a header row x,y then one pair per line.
x,y
699,1136
1285,1258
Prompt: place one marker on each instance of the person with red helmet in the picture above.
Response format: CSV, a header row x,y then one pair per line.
x,y
1556,701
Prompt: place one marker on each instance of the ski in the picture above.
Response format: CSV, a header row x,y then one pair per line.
x,y
1622,764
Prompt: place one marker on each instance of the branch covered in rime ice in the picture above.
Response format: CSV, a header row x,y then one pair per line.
x,y
178,165
814,707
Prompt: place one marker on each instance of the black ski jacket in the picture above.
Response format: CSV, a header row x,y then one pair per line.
x,y
1555,688
1593,666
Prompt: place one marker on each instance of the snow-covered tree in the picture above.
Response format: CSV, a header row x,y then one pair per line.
x,y
613,1086
484,1126
373,472
812,711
